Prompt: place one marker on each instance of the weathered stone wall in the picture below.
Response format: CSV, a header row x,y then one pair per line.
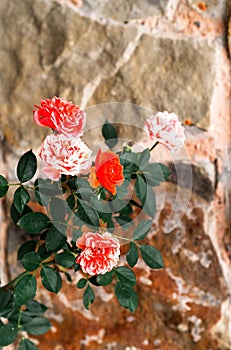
x,y
164,54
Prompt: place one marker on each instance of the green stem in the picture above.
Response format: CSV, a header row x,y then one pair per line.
x,y
19,319
48,263
124,238
21,184
155,144
17,184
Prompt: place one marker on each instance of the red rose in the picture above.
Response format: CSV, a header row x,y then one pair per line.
x,y
62,116
100,253
107,172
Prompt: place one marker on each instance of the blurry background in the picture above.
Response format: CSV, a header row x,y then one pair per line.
x,y
163,55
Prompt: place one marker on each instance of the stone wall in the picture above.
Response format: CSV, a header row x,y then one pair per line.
x,y
163,54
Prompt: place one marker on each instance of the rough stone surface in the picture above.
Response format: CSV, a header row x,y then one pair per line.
x,y
49,49
136,9
159,62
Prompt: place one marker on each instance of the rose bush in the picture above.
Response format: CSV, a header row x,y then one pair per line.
x,y
85,213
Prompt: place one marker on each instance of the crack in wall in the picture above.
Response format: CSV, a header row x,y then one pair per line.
x,y
91,87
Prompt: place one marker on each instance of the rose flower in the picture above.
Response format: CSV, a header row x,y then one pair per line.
x,y
62,155
64,117
165,128
100,253
107,171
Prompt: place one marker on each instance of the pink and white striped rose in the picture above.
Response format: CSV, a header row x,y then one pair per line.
x,y
100,252
164,127
64,155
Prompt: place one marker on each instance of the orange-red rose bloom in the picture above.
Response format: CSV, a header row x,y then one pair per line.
x,y
107,172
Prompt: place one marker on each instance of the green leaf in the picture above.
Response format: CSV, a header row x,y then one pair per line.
x,y
125,275
55,240
126,296
141,189
34,223
8,334
150,202
151,256
126,210
47,187
88,297
27,166
142,229
122,190
166,172
93,280
100,205
26,247
34,308
65,259
132,254
5,297
87,214
37,326
31,261
117,205
144,159
15,215
110,134
76,233
71,201
156,173
130,163
68,277
124,221
24,290
3,186
81,283
58,209
21,198
26,344
51,279
106,278
43,252
84,189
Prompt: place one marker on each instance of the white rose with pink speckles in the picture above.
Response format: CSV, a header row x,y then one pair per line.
x,y
64,155
165,128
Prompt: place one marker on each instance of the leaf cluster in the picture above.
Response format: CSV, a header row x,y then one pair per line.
x,y
66,206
